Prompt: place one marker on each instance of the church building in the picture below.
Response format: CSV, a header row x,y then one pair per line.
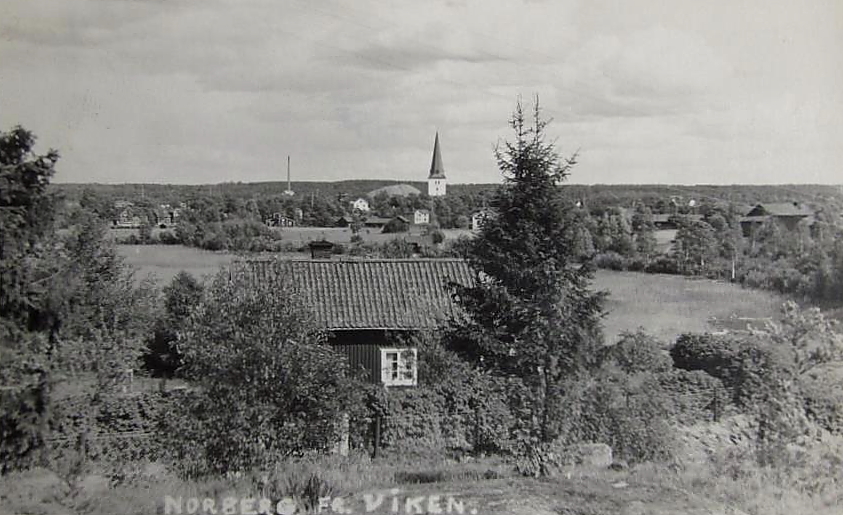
x,y
436,181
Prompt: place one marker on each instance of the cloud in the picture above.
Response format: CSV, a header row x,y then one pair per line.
x,y
188,91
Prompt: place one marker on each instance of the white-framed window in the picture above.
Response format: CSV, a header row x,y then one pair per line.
x,y
399,367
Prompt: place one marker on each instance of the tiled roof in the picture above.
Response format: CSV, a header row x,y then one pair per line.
x,y
372,294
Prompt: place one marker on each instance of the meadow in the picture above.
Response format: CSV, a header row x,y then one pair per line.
x,y
664,305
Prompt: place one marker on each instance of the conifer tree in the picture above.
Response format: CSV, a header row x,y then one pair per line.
x,y
531,313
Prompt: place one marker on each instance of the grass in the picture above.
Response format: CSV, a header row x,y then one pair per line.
x,y
655,489
666,305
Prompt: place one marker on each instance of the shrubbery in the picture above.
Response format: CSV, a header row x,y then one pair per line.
x,y
267,383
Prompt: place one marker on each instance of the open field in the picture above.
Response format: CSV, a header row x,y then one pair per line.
x,y
665,305
668,305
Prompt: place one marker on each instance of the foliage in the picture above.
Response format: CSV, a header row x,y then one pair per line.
x,y
268,384
26,223
637,352
695,395
396,225
695,243
631,413
531,314
182,294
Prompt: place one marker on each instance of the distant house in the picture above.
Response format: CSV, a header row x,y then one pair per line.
x,y
479,217
127,215
279,220
369,307
166,216
665,221
372,222
361,205
421,217
787,214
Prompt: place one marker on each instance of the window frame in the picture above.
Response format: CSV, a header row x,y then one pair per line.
x,y
407,360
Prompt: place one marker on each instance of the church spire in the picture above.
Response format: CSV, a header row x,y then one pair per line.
x,y
437,171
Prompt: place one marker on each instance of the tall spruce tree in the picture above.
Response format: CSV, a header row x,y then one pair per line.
x,y
531,313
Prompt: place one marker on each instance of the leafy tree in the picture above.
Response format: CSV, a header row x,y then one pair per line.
x,y
643,231
180,297
396,225
268,384
531,313
695,245
26,222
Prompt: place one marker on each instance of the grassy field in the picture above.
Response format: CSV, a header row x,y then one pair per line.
x,y
668,305
665,305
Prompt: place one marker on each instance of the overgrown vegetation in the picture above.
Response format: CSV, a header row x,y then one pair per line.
x,y
524,376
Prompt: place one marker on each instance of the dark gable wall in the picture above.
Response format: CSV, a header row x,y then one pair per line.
x,y
362,348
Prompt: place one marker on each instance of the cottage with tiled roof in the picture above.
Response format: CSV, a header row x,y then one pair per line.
x,y
368,307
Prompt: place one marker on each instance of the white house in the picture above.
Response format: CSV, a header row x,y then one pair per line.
x,y
479,217
436,180
421,217
360,204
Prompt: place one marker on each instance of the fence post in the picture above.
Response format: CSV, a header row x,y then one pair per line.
x,y
376,442
476,428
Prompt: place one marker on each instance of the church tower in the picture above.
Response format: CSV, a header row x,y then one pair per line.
x,y
436,181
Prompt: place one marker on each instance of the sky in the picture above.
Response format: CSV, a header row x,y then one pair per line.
x,y
209,91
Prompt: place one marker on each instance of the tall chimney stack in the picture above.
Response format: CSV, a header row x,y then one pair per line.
x,y
289,184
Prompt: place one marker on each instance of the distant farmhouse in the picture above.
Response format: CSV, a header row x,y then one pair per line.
x,y
127,217
787,214
665,221
421,217
361,205
279,220
370,221
370,307
479,217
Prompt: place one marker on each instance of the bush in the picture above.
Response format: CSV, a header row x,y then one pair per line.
x,y
822,393
437,237
637,352
268,384
395,225
610,260
695,396
743,363
664,265
629,412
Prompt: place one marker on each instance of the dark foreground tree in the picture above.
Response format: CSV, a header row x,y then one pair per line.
x,y
267,383
531,313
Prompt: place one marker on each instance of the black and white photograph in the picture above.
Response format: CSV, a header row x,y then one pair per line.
x,y
501,257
